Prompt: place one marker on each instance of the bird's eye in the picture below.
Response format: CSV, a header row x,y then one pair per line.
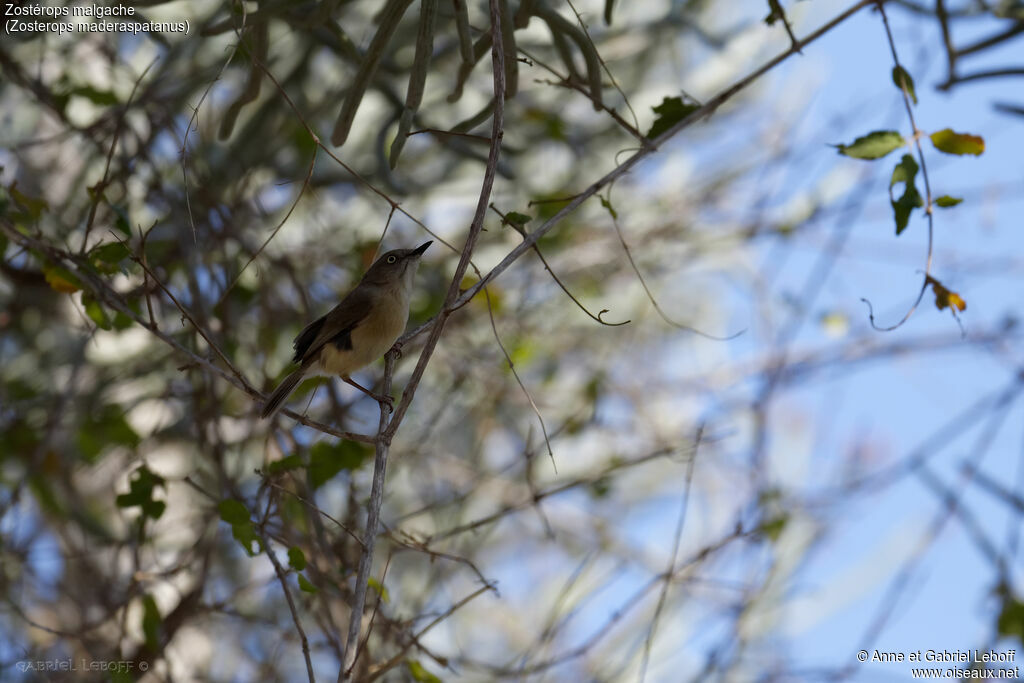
x,y
391,259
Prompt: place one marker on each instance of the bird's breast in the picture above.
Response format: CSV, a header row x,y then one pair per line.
x,y
371,338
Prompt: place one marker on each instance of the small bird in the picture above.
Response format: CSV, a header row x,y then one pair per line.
x,y
359,330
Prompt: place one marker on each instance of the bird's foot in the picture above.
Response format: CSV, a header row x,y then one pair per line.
x,y
389,401
396,349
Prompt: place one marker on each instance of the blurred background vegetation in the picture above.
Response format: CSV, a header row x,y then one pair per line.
x,y
175,208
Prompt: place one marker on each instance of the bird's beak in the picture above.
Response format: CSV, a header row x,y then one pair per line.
x,y
418,251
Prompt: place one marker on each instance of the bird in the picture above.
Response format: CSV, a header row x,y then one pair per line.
x,y
358,331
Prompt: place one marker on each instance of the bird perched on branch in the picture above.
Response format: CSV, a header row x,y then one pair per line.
x,y
359,330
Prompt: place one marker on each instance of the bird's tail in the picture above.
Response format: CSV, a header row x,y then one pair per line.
x,y
281,394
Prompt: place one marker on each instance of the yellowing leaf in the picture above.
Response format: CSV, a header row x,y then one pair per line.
x,y
380,588
955,300
874,145
61,280
835,324
949,142
420,674
946,298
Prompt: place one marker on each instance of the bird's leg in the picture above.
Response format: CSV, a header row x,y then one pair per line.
x,y
397,350
387,400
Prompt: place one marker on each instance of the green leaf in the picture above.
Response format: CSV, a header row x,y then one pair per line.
x,y
608,205
286,464
45,496
115,429
608,5
236,514
775,14
553,126
108,427
305,586
121,676
905,172
773,527
246,536
151,622
671,111
106,257
104,98
233,512
296,558
1011,619
122,321
949,142
517,219
140,493
945,201
96,312
33,206
601,487
154,509
420,674
121,223
874,145
327,459
903,80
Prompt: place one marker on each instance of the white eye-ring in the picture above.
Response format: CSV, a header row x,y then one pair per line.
x,y
391,259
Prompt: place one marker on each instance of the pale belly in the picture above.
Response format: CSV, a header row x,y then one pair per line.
x,y
370,340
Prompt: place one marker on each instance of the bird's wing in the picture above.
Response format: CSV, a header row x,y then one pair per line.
x,y
335,327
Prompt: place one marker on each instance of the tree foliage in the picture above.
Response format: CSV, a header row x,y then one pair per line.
x,y
598,399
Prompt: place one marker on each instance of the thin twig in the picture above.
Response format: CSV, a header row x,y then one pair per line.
x,y
282,577
380,462
184,312
671,570
512,367
100,187
104,292
193,120
625,167
928,209
600,59
277,228
650,295
396,206
522,231
379,670
450,305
